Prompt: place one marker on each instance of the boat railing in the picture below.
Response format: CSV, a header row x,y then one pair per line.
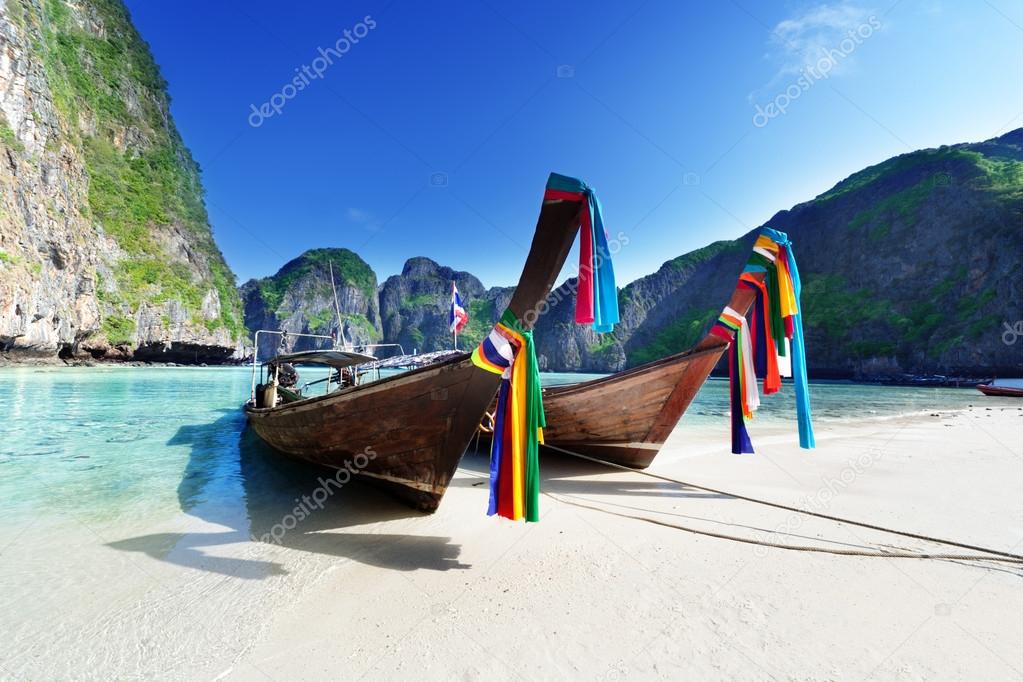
x,y
365,348
373,346
255,352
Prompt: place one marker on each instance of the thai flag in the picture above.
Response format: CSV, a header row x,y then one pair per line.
x,y
458,317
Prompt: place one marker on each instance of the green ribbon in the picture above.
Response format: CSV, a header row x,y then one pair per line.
x,y
535,417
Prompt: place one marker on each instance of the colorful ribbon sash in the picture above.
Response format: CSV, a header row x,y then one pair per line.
x,y
518,422
765,352
742,381
755,348
508,350
597,296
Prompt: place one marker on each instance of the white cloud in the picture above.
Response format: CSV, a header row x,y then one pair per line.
x,y
803,40
364,219
357,215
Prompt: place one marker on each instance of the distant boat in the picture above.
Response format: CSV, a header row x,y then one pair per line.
x,y
417,424
625,418
1009,388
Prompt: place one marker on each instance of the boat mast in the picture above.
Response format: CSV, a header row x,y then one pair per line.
x,y
337,308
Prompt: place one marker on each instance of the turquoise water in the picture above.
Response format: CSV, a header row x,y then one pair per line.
x,y
100,443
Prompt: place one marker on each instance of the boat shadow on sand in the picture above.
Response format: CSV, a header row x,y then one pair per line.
x,y
566,475
250,496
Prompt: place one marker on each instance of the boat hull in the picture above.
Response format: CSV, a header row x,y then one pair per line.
x,y
625,418
1001,391
408,431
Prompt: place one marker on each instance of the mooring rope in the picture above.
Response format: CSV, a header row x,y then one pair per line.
x,y
998,555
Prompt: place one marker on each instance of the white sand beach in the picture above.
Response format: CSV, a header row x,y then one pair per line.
x,y
584,594
368,589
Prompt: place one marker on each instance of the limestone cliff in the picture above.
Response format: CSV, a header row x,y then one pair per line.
x,y
415,306
105,245
299,299
909,266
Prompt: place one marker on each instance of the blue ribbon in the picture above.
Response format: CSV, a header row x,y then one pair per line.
x,y
803,415
497,446
605,291
741,443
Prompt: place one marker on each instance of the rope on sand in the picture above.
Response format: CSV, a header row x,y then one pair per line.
x,y
988,553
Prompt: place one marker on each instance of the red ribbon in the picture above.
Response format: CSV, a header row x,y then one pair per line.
x,y
772,377
584,288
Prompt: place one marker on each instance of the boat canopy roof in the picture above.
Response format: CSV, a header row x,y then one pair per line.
x,y
337,359
413,361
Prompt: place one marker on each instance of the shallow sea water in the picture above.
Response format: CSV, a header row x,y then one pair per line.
x,y
148,442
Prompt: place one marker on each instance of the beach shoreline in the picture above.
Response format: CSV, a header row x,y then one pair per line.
x,y
591,594
20,360
180,575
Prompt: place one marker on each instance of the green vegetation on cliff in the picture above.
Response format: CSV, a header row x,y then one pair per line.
x,y
7,137
143,182
299,298
939,167
679,335
482,313
348,267
909,265
703,254
419,300
119,330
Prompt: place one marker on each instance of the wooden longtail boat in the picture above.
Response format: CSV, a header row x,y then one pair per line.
x,y
410,430
626,417
1004,388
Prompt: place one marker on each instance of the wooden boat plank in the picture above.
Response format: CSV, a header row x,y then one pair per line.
x,y
626,417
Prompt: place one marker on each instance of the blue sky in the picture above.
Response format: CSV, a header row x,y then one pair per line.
x,y
433,131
